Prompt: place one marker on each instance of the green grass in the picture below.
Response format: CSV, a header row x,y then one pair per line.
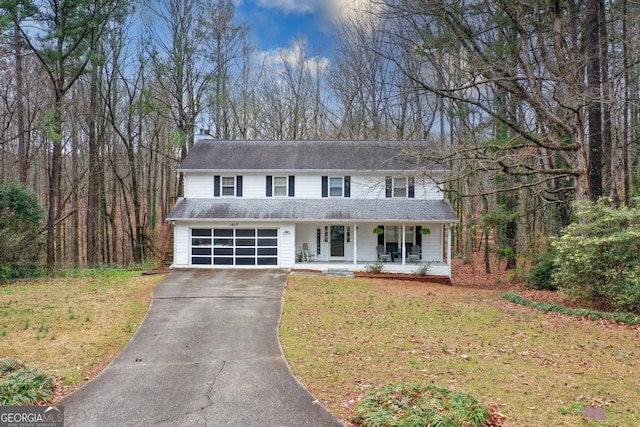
x,y
411,405
627,318
71,327
23,386
536,368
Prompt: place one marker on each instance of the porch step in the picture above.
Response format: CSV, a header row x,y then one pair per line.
x,y
340,272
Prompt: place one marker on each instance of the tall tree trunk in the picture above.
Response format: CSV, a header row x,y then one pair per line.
x,y
93,192
23,152
625,110
75,188
592,42
609,155
54,182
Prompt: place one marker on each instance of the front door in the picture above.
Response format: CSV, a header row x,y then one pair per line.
x,y
337,241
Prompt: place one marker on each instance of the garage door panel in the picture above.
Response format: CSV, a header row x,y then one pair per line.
x,y
197,260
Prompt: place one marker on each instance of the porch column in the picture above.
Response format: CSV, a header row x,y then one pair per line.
x,y
355,244
449,250
404,237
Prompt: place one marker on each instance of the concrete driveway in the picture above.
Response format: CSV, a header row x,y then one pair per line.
x,y
206,354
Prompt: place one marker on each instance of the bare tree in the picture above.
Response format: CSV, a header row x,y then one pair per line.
x,y
70,30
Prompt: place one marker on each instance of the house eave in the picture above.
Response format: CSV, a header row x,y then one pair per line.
x,y
324,171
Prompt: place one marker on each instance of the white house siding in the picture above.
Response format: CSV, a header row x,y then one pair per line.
x,y
307,233
432,244
253,186
367,242
368,186
181,245
286,245
198,185
308,186
426,189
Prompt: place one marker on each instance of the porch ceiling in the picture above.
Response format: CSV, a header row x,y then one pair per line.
x,y
312,210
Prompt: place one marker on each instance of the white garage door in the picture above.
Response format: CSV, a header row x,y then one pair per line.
x,y
237,246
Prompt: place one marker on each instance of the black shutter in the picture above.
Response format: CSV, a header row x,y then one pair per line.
x,y
216,186
418,235
381,236
347,186
325,186
388,184
269,186
239,186
292,186
412,187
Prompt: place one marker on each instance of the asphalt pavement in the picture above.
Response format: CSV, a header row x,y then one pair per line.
x,y
206,354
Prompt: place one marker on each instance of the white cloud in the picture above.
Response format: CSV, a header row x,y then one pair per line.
x,y
294,56
340,9
330,10
291,6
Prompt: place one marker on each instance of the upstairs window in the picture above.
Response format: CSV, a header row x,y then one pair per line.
x,y
228,185
400,187
280,186
335,186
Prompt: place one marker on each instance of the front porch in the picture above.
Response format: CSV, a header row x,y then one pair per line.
x,y
357,247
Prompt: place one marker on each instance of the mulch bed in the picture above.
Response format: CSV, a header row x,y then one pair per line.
x,y
404,276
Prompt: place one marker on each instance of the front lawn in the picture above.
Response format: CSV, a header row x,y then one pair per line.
x,y
345,337
70,328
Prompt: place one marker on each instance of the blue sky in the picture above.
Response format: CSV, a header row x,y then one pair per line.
x,y
276,23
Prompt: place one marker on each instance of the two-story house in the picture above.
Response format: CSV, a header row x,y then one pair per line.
x,y
259,203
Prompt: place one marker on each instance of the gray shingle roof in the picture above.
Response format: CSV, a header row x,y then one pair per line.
x,y
311,210
240,155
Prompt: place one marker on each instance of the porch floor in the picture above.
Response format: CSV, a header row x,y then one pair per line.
x,y
435,268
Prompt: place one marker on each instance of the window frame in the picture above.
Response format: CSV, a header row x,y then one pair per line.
x,y
330,187
274,186
223,186
394,187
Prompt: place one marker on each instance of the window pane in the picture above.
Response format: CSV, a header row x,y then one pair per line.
x,y
223,242
228,186
267,251
201,260
201,251
223,261
245,251
279,186
267,261
245,233
223,251
267,242
245,261
335,186
399,187
245,242
391,234
223,232
201,232
200,241
267,233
